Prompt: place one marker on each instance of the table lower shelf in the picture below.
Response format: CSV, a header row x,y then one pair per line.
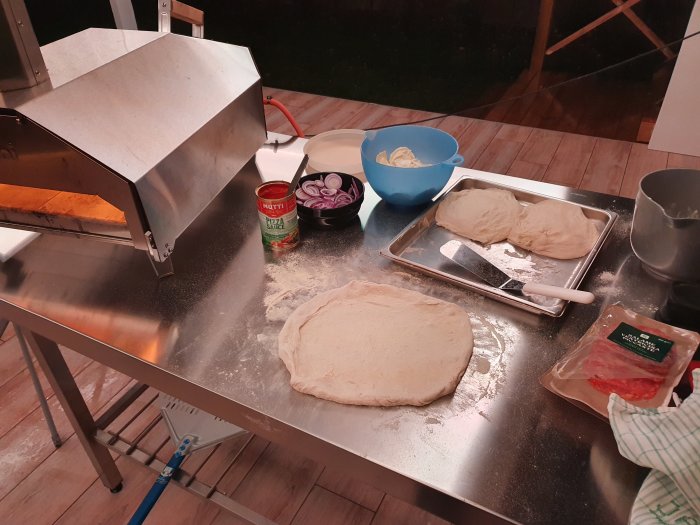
x,y
134,428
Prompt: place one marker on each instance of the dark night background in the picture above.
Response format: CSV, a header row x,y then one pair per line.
x,y
432,55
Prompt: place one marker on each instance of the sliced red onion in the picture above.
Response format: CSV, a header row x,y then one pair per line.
x,y
320,205
333,181
301,194
343,199
310,188
326,194
312,202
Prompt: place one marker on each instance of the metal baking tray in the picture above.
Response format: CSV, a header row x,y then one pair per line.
x,y
418,246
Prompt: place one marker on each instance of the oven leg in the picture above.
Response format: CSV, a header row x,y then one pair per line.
x,y
60,378
162,269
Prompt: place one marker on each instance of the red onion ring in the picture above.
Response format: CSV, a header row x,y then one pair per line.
x,y
301,194
310,188
333,181
326,193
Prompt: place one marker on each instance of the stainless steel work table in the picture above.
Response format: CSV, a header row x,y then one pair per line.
x,y
501,447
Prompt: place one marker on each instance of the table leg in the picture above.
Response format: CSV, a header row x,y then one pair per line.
x,y
37,387
60,378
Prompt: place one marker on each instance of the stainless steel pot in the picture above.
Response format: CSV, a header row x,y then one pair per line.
x,y
666,223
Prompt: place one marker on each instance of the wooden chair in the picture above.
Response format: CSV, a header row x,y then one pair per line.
x,y
124,18
544,22
168,9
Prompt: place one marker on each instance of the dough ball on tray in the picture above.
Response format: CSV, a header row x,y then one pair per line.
x,y
555,229
486,216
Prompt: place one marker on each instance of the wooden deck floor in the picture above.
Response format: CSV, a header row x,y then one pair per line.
x,y
42,485
599,107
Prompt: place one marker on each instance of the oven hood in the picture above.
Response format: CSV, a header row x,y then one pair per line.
x,y
152,126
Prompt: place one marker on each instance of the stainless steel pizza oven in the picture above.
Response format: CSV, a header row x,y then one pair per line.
x,y
128,138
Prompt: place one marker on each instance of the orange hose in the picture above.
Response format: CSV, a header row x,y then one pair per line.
x,y
286,113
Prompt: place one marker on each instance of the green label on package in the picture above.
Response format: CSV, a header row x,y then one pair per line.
x,y
647,345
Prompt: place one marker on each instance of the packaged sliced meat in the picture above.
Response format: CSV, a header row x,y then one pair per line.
x,y
638,358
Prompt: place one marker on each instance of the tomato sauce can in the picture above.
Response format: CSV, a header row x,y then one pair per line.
x,y
278,215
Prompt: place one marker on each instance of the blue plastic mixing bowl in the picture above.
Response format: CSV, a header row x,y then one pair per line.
x,y
410,186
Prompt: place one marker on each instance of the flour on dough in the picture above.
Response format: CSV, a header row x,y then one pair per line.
x,y
374,344
481,215
555,229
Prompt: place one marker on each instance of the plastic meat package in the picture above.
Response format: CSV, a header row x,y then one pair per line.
x,y
638,358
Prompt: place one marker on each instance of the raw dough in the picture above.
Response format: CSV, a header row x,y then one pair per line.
x,y
555,229
486,216
401,157
374,344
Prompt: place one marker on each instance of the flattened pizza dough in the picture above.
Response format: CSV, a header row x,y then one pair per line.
x,y
485,216
555,229
374,344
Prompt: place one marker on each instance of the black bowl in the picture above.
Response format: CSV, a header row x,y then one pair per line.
x,y
332,217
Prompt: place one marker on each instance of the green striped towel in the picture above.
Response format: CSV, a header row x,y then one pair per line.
x,y
667,440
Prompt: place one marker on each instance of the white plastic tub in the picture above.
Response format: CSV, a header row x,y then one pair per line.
x,y
337,150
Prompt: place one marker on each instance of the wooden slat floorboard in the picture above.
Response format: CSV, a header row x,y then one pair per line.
x,y
219,467
476,139
64,477
630,120
236,474
456,126
158,440
99,506
11,361
360,493
503,149
8,334
323,507
536,154
334,116
40,484
18,397
278,484
27,445
676,160
570,160
606,167
565,112
393,511
602,113
642,160
533,116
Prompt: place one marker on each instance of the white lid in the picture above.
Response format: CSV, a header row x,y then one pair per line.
x,y
337,150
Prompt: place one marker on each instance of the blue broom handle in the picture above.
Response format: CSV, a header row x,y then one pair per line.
x,y
159,486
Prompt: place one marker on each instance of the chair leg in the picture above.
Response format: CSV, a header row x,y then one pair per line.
x,y
621,8
646,31
37,386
